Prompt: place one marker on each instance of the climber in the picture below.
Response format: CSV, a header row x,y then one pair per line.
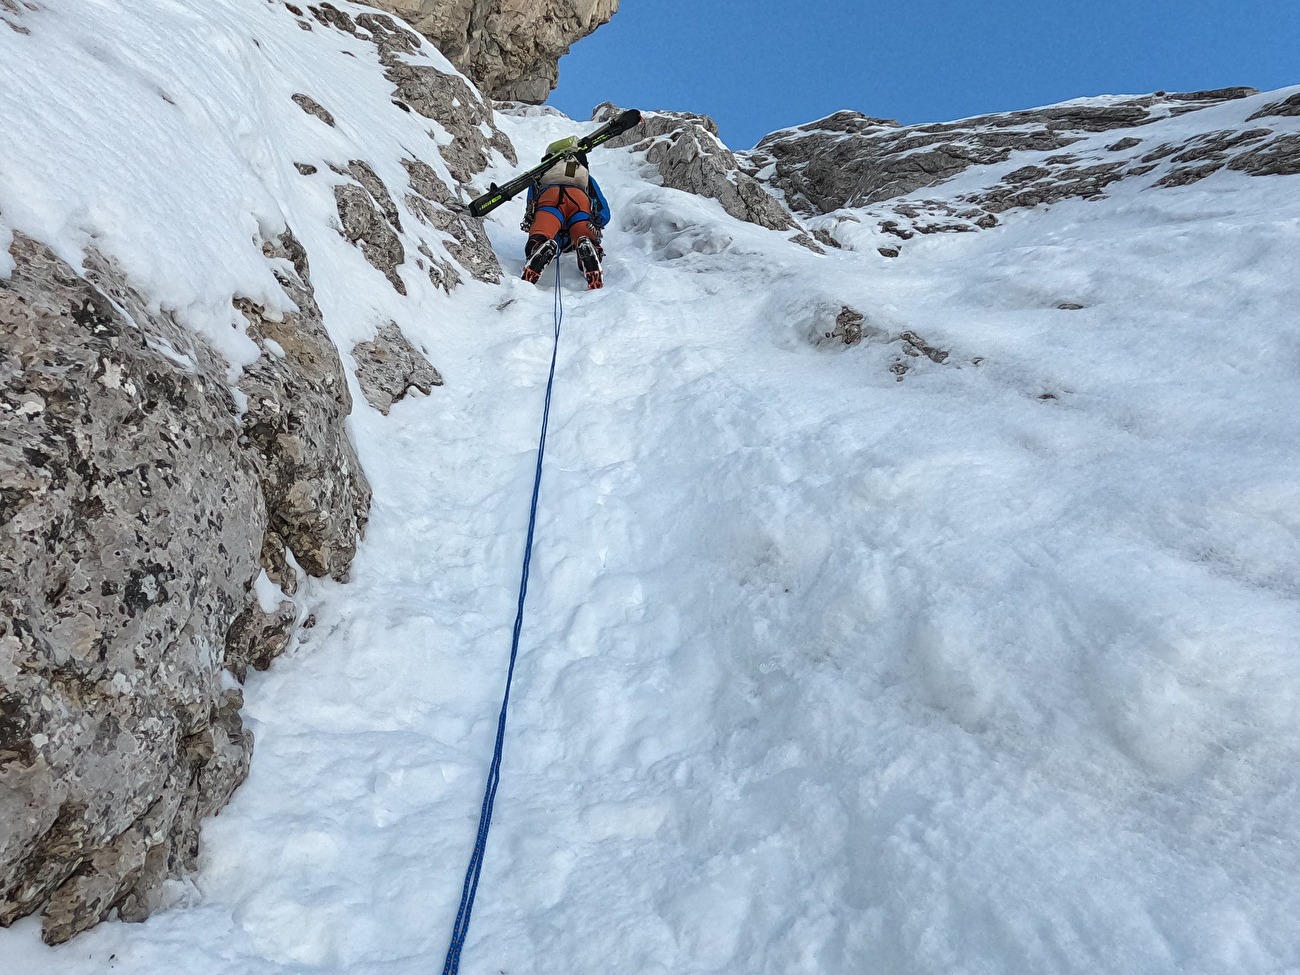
x,y
566,211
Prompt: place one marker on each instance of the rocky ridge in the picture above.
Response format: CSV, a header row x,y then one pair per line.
x,y
893,173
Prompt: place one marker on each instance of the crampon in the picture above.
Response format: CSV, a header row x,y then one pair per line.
x,y
538,261
589,263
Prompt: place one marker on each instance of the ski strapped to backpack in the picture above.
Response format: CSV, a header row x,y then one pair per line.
x,y
496,195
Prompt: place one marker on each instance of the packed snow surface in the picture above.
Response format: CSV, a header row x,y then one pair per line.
x,y
990,668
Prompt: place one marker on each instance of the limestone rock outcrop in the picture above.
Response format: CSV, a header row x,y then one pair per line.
x,y
317,496
434,94
158,502
129,537
418,86
368,214
511,48
370,220
434,205
134,520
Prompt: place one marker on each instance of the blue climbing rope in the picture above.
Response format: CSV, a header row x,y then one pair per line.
x,y
461,928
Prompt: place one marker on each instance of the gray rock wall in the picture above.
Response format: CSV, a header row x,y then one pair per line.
x,y
129,536
316,494
510,48
134,512
367,209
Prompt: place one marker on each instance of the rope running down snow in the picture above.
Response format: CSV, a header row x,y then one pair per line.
x,y
461,928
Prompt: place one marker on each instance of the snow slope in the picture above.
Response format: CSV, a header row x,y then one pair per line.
x,y
988,669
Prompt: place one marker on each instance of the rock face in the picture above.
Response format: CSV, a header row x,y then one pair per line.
x,y
133,521
128,542
433,205
316,495
510,48
370,220
851,160
434,94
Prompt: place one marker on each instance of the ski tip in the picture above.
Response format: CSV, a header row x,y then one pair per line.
x,y
486,203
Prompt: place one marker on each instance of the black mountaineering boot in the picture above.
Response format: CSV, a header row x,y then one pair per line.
x,y
539,256
589,262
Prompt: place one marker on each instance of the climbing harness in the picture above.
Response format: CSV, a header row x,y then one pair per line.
x,y
461,928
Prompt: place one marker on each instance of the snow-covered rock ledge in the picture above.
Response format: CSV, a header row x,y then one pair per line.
x,y
201,213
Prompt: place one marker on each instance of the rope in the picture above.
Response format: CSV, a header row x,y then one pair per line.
x,y
461,928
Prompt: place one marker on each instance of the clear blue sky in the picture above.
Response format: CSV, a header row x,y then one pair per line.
x,y
761,65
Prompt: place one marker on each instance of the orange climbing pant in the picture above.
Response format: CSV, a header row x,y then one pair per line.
x,y
563,208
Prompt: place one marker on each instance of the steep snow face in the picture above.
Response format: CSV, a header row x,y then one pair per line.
x,y
966,648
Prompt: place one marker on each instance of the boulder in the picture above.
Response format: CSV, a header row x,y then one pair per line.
x,y
388,367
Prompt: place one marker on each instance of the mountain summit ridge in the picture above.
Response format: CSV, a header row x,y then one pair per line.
x,y
1024,159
